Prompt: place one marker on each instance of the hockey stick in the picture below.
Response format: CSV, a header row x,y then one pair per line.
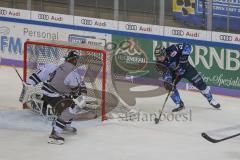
x,y
18,74
159,117
210,139
164,104
23,85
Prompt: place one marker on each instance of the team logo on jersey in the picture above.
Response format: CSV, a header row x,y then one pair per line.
x,y
129,57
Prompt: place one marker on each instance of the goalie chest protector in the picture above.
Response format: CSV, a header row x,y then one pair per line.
x,y
56,78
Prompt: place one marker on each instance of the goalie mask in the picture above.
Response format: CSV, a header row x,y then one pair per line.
x,y
72,57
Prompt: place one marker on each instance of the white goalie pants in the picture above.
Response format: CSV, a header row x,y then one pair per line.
x,y
64,119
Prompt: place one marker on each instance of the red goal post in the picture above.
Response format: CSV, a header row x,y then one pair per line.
x,y
61,48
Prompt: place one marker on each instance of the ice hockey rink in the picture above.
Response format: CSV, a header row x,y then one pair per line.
x,y
23,135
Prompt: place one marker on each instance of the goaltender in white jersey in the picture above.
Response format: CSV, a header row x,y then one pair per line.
x,y
46,72
61,83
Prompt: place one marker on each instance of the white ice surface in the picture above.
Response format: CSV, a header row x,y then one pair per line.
x,y
23,135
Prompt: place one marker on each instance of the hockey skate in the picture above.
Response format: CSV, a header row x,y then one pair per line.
x,y
179,107
214,103
55,138
68,129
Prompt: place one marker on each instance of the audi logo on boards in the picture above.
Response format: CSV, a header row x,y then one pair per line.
x,y
177,32
43,16
86,22
225,38
131,27
3,12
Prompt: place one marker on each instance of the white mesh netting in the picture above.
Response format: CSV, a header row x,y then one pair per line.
x,y
90,66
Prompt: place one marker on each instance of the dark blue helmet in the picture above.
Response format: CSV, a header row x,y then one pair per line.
x,y
159,51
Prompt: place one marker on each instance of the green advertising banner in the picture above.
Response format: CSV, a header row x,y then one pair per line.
x,y
218,66
132,56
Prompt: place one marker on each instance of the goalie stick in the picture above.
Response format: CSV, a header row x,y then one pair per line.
x,y
210,139
18,74
23,85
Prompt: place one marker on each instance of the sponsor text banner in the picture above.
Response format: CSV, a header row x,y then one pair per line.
x,y
140,28
96,23
186,33
52,17
14,13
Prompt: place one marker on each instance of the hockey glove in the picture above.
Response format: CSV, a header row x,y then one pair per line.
x,y
168,86
168,81
180,71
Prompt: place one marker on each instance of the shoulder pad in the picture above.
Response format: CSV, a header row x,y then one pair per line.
x,y
187,48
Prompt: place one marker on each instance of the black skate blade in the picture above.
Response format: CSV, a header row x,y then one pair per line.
x,y
178,109
217,106
156,120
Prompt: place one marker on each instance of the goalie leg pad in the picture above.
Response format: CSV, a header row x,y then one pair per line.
x,y
63,122
26,92
55,138
67,114
23,96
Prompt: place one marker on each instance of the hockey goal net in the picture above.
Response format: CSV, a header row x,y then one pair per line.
x,y
91,65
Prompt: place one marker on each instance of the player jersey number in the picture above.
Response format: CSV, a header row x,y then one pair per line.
x,y
173,54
